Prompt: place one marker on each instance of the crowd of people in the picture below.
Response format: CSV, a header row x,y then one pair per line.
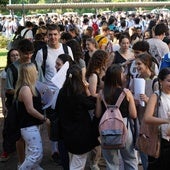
x,y
76,60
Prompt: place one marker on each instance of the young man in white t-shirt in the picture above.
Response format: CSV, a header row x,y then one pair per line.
x,y
54,49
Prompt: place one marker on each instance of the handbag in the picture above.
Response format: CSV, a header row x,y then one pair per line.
x,y
149,139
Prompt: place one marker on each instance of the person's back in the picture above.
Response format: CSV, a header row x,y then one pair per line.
x,y
75,119
102,39
158,48
113,87
29,33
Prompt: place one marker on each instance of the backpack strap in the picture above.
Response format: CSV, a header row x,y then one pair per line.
x,y
120,99
100,39
25,33
65,48
44,51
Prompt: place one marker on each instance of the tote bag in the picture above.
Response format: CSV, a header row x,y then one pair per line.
x,y
149,139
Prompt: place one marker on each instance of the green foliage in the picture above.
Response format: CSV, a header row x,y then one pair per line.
x,y
4,41
3,58
4,2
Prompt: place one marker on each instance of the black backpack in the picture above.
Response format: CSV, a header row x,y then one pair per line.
x,y
17,39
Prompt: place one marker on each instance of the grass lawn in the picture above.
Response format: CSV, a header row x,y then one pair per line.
x,y
3,57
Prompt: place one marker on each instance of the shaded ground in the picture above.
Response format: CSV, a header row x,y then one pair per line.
x,y
47,163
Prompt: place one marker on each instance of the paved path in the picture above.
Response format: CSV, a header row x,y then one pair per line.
x,y
47,163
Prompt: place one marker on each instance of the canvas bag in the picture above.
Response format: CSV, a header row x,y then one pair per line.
x,y
149,139
113,131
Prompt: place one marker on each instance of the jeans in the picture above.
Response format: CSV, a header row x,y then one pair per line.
x,y
144,159
33,148
128,154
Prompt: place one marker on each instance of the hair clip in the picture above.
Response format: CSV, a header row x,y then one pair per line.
x,y
70,75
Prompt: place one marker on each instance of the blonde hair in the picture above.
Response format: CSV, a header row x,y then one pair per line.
x,y
27,76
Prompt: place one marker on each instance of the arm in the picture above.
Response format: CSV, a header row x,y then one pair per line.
x,y
83,73
98,110
25,96
93,84
150,108
9,82
132,107
4,109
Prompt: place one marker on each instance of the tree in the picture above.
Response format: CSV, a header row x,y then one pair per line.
x,y
4,2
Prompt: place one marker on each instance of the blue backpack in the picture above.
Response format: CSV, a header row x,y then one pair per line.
x,y
165,61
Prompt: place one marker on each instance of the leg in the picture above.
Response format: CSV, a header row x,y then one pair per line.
x,y
128,153
34,150
63,155
112,158
77,162
95,156
20,147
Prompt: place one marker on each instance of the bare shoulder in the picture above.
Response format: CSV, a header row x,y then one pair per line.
x,y
128,93
25,90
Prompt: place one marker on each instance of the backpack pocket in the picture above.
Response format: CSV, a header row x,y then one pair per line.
x,y
111,138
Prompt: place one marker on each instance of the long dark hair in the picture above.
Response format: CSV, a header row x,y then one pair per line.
x,y
97,61
73,84
9,58
112,80
162,76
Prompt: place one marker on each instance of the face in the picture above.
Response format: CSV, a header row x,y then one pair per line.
x,y
90,46
166,84
53,37
59,63
125,43
147,35
26,56
137,52
123,76
111,34
141,67
14,55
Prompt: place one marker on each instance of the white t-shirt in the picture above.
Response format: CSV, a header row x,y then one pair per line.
x,y
28,35
52,55
157,48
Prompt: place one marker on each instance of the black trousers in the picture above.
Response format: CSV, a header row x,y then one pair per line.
x,y
163,162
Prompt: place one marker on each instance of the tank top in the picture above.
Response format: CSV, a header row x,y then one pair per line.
x,y
27,120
